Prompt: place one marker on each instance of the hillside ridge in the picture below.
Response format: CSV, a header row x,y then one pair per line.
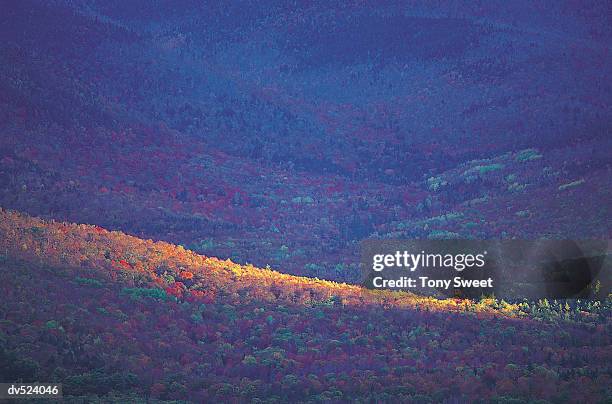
x,y
119,319
181,272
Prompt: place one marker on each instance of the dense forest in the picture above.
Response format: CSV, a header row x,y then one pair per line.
x,y
184,188
117,318
237,133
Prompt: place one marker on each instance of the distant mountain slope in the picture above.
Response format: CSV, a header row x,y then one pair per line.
x,y
121,319
285,134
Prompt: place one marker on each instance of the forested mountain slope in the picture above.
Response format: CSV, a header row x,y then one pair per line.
x,y
287,138
120,318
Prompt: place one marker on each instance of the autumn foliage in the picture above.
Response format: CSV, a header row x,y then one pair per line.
x,y
111,315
